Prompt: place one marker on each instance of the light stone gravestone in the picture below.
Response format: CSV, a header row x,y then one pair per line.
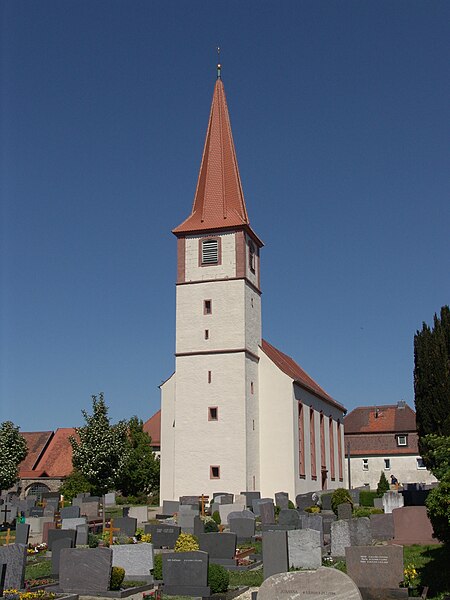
x,y
186,574
392,500
224,499
139,512
321,584
240,499
275,552
355,495
242,514
349,532
36,523
14,556
186,516
82,535
375,567
85,570
378,502
89,509
226,509
72,523
305,548
110,499
136,559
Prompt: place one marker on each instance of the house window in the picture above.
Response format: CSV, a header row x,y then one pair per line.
x,y
214,472
251,257
365,464
387,464
420,463
207,307
210,252
206,334
402,440
209,376
213,413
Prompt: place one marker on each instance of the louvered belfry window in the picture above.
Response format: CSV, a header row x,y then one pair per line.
x,y
210,252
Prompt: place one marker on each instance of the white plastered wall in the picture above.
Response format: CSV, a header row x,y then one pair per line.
x,y
404,468
227,266
167,474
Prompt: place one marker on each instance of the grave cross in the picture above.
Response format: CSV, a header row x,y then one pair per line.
x,y
5,512
8,536
111,530
203,500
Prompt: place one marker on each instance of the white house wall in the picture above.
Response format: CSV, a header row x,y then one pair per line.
x,y
404,468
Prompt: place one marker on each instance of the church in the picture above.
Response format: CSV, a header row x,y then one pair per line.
x,y
237,414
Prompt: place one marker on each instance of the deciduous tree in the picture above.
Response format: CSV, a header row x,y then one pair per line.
x,y
13,450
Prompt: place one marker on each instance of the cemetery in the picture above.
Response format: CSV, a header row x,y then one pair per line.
x,y
322,544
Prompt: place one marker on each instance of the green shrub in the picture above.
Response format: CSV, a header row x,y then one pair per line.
x,y
383,484
340,496
312,509
366,498
366,511
157,567
438,509
218,579
92,540
291,504
216,517
186,542
211,526
277,511
117,576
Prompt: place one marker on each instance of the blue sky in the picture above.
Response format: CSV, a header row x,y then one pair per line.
x,y
341,124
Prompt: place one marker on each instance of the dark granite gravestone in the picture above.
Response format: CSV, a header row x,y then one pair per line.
x,y
57,546
37,511
267,512
289,519
58,534
223,498
189,501
51,496
70,512
242,527
22,533
250,496
275,552
216,494
2,578
163,536
170,507
85,570
199,526
282,499
326,501
327,519
257,503
221,547
186,574
415,497
14,556
412,526
242,514
354,494
375,567
82,534
345,510
126,525
303,501
89,498
321,584
382,527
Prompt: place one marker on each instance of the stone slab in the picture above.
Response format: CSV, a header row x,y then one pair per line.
x,y
14,556
22,533
139,512
250,497
412,526
57,534
275,552
305,548
289,518
136,559
126,525
85,569
344,510
382,527
163,536
375,566
170,507
242,527
282,499
226,509
186,573
82,535
221,547
69,512
392,500
73,523
57,546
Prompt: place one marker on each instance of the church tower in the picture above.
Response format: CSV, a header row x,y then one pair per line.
x,y
210,405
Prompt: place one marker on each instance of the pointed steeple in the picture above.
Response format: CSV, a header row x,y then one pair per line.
x,y
219,200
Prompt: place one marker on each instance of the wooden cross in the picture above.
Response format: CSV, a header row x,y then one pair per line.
x,y
203,500
61,502
5,512
111,530
8,536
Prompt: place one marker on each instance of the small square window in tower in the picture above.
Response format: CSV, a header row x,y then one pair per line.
x,y
213,413
207,307
214,472
251,257
210,252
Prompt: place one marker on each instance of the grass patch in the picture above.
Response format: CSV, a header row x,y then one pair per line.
x,y
250,578
431,563
42,568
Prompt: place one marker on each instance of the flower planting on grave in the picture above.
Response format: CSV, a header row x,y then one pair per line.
x,y
117,576
216,517
218,579
210,525
340,496
186,542
157,567
13,594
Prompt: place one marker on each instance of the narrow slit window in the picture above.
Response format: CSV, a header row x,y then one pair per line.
x,y
206,334
251,257
210,252
207,307
209,376
213,413
252,388
214,472
253,423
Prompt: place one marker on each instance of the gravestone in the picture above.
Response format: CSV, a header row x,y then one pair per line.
x,y
305,548
126,525
37,523
242,527
58,534
170,507
382,527
89,509
14,556
221,547
223,498
57,546
22,533
392,500
412,526
186,574
321,584
82,534
73,523
70,512
139,512
256,504
378,503
49,511
199,526
282,499
163,536
136,559
267,513
349,532
189,501
344,510
250,496
355,495
312,521
110,499
375,566
36,511
226,509
89,498
303,501
186,516
327,519
85,570
275,552
326,501
241,514
289,519
45,529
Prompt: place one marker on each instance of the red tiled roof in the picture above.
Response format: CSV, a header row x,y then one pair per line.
x,y
57,459
36,442
365,444
294,370
153,428
386,418
219,200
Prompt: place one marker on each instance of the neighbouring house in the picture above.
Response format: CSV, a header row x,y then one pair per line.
x,y
237,414
153,428
384,439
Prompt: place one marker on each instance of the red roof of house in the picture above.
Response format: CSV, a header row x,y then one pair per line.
x,y
219,200
37,442
395,418
294,370
153,428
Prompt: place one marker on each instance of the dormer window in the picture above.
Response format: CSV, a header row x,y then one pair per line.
x,y
210,252
402,440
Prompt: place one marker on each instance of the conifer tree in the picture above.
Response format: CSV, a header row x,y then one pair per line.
x,y
383,484
13,450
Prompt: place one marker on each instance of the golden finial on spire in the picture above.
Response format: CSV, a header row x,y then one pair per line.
x,y
219,66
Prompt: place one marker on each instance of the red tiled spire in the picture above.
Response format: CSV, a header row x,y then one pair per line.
x,y
219,201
